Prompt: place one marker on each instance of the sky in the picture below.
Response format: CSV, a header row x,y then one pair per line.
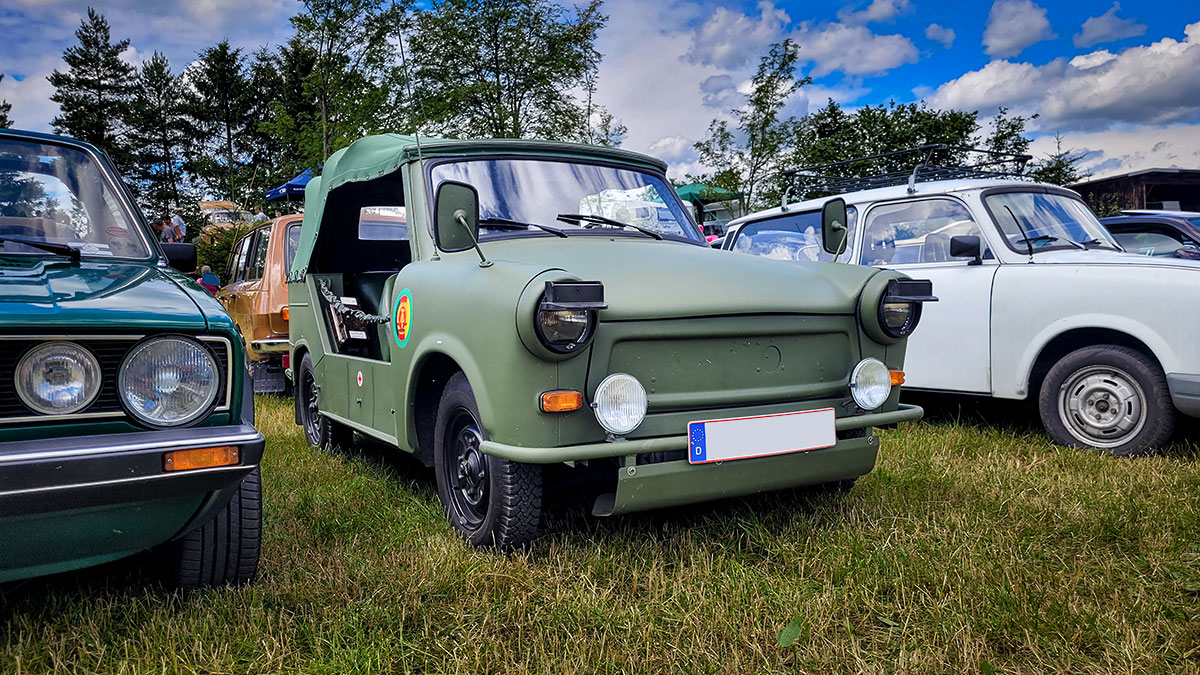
x,y
1117,81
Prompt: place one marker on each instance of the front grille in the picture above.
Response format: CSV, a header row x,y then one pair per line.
x,y
109,350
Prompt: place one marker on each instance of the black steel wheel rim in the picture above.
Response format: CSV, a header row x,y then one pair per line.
x,y
312,414
466,471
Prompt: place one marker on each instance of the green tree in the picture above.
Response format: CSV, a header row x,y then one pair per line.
x,y
1008,135
747,157
1060,167
509,69
93,93
353,56
218,103
159,134
287,136
5,109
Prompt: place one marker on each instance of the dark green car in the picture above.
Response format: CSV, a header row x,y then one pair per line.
x,y
125,422
527,315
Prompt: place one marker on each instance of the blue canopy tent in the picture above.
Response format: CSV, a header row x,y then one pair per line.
x,y
293,189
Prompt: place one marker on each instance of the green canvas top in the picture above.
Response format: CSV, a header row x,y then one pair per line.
x,y
371,157
699,192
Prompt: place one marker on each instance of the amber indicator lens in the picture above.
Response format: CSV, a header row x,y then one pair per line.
x,y
286,313
565,400
200,458
897,377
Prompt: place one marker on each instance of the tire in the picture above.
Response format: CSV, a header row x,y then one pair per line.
x,y
225,550
319,430
1107,398
492,502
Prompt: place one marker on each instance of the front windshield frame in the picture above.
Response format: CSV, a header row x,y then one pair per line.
x,y
1093,227
689,217
109,176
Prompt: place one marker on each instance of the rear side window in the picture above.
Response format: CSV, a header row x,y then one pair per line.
x,y
383,223
237,263
258,262
794,236
293,243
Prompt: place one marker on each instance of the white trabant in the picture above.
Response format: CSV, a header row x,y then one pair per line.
x,y
1036,299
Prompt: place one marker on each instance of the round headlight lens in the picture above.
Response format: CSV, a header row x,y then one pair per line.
x,y
620,403
896,315
58,378
168,381
870,384
564,330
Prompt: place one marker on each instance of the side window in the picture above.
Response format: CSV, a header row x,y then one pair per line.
x,y
237,262
916,232
293,243
383,223
258,261
793,236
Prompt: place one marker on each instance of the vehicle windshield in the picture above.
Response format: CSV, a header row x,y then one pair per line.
x,y
794,236
513,192
58,194
1046,221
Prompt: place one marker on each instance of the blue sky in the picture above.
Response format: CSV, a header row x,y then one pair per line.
x,y
1116,80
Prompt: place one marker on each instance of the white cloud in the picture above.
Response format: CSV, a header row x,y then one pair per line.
x,y
853,50
30,97
730,39
1130,148
941,34
1107,27
1014,25
878,10
1144,84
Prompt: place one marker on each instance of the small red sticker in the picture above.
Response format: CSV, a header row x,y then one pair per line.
x,y
360,378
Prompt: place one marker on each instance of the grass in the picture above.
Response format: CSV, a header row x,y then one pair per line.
x,y
974,546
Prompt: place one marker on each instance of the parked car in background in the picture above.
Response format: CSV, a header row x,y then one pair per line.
x,y
497,326
256,296
1036,299
124,422
1158,234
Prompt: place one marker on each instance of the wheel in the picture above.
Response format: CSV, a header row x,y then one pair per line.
x,y
319,431
1107,397
490,501
224,551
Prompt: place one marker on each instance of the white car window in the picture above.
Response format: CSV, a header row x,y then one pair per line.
x,y
794,236
916,232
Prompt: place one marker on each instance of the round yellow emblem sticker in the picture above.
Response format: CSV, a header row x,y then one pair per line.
x,y
402,315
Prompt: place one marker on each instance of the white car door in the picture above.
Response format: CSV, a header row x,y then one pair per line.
x,y
951,348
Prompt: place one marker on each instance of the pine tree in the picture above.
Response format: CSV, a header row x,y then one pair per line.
x,y
1060,167
218,102
5,109
159,133
93,93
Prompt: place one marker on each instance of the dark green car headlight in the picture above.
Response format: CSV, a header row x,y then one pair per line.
x,y
566,315
57,378
899,318
564,329
169,381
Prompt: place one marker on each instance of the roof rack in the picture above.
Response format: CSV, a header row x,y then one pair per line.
x,y
930,162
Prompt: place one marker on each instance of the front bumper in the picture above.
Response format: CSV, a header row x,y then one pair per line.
x,y
60,474
1185,393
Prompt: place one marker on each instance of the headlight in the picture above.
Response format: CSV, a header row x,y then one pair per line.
x,y
58,378
564,330
870,384
620,403
899,318
168,381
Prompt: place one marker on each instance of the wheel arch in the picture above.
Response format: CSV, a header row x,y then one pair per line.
x,y
432,372
298,354
1077,338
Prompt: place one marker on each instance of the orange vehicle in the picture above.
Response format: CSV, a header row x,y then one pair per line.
x,y
256,296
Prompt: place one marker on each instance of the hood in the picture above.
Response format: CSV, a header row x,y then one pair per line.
x,y
101,296
647,279
1110,257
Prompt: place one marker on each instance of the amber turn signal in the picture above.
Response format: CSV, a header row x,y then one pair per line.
x,y
200,458
286,312
897,377
562,400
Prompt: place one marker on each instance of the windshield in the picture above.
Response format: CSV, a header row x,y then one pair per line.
x,y
57,194
1046,221
538,191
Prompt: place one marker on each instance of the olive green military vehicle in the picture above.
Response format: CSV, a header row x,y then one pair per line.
x,y
498,308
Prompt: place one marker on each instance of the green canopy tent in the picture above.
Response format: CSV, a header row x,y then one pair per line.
x,y
700,195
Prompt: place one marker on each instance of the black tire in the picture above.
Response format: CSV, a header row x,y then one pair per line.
x,y
490,501
225,550
319,430
1107,398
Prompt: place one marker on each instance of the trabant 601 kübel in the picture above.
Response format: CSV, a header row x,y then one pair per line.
x,y
125,422
497,306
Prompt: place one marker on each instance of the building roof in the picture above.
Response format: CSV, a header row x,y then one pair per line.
x,y
1175,171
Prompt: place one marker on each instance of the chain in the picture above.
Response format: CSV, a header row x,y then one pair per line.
x,y
336,303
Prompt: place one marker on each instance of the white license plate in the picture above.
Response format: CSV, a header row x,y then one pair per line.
x,y
761,435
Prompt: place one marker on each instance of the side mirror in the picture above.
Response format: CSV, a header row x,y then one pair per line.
x,y
456,222
180,256
967,247
833,226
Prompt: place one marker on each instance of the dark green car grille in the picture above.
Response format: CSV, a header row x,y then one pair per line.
x,y
109,351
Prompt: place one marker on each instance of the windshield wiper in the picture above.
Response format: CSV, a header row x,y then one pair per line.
x,y
509,224
1089,242
47,246
601,220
